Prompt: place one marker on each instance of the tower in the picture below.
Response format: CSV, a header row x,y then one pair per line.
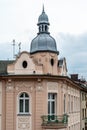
x,y
43,47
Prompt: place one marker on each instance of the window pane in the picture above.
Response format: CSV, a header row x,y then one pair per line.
x,y
53,96
27,105
48,95
64,103
22,95
21,105
53,107
48,107
26,95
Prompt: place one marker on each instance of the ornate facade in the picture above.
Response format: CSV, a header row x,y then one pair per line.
x,y
35,91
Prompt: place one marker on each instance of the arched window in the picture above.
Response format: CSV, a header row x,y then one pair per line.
x,y
42,28
24,103
46,28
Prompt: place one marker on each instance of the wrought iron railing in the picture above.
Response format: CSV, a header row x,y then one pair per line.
x,y
54,119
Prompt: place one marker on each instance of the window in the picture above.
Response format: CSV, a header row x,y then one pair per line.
x,y
69,103
72,103
52,62
24,103
24,64
64,103
51,105
82,113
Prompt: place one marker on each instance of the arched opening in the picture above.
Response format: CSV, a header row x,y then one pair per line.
x,y
52,61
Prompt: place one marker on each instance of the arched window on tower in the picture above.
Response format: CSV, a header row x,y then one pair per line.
x,y
39,28
24,103
46,28
42,28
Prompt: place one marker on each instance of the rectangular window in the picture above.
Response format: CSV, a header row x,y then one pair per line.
x,y
69,103
51,105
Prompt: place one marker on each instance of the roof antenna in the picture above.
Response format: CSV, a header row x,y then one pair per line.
x,y
13,48
19,47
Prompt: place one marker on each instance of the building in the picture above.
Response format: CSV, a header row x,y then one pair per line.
x,y
83,103
84,108
35,91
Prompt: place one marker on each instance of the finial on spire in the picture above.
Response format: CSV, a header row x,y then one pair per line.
x,y
43,8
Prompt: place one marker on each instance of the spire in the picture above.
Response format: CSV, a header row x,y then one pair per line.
x,y
43,9
43,22
43,18
43,42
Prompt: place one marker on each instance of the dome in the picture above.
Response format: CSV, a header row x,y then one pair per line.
x,y
43,43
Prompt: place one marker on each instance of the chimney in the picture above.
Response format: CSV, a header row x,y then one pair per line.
x,y
74,77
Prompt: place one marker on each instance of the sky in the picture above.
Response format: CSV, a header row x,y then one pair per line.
x,y
68,25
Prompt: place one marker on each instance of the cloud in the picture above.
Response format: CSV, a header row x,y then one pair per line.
x,y
6,51
74,48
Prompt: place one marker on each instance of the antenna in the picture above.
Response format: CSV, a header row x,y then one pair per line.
x,y
13,48
19,47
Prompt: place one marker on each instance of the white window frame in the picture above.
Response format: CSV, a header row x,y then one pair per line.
x,y
51,101
24,99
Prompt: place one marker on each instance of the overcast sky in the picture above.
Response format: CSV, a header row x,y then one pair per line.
x,y
68,25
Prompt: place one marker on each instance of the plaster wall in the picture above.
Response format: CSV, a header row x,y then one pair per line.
x,y
0,104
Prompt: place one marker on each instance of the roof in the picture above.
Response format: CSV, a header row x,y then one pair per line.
x,y
43,18
3,66
43,42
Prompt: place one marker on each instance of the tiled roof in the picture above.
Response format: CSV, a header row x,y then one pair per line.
x,y
3,65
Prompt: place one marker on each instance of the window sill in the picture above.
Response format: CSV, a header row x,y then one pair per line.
x,y
23,114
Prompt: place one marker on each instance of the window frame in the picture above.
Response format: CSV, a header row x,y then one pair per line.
x,y
50,102
24,99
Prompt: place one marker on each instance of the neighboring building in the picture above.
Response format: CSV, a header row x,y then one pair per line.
x,y
83,103
35,91
84,109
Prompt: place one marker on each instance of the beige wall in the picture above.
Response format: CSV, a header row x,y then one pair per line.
x,y
39,63
0,103
38,90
